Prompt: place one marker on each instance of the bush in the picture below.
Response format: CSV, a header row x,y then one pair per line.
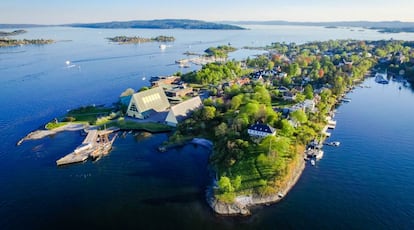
x,y
69,119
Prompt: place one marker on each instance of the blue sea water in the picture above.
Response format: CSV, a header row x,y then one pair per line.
x,y
366,183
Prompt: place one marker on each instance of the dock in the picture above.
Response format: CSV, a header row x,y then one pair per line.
x,y
95,145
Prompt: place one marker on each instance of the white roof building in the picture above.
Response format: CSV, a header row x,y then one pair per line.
x,y
261,130
181,111
143,103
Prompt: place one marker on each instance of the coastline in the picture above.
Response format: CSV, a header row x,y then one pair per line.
x,y
39,134
243,204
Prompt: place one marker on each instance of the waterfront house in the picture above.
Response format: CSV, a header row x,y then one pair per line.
x,y
181,111
261,130
143,103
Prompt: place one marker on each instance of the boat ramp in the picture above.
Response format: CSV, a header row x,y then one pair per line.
x,y
95,145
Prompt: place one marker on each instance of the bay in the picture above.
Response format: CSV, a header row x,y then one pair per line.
x,y
364,183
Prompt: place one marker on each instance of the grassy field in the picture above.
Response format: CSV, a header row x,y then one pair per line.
x,y
89,113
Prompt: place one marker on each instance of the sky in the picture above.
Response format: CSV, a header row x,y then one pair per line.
x,y
75,11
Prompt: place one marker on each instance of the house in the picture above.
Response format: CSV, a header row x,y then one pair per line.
x,y
180,91
289,96
181,111
145,102
261,130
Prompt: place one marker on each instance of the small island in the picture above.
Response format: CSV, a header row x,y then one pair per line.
x,y
13,33
138,40
6,42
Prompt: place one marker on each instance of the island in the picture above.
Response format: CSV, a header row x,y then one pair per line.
x,y
160,24
137,40
6,42
13,33
263,118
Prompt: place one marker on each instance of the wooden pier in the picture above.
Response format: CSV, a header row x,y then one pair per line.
x,y
95,145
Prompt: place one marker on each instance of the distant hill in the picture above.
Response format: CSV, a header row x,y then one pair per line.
x,y
160,24
384,26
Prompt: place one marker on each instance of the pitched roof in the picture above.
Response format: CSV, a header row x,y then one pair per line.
x,y
181,110
151,99
262,128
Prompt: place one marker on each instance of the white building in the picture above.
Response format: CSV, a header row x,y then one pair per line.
x,y
145,102
181,111
261,130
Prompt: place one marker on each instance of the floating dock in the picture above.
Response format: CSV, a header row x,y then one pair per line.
x,y
95,145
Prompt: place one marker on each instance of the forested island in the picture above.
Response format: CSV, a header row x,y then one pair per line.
x,y
135,39
13,33
6,42
160,24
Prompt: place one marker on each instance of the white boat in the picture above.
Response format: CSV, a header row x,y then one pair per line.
x,y
313,162
333,143
319,154
163,46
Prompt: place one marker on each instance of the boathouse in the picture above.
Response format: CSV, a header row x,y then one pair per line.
x,y
143,103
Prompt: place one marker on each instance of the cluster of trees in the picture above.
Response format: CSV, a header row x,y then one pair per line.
x,y
4,42
250,165
220,51
214,73
135,39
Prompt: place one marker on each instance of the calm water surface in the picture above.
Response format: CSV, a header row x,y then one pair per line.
x,y
366,183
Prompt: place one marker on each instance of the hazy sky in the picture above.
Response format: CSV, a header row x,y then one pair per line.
x,y
70,11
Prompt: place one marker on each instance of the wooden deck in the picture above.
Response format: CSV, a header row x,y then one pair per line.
x,y
72,158
95,145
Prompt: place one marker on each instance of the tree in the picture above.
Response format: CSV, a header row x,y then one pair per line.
x,y
236,101
237,182
208,113
299,116
308,91
220,130
287,129
225,184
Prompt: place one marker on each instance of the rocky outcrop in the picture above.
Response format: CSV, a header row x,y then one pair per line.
x,y
242,204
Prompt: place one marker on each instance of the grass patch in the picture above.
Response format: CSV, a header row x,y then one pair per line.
x,y
54,125
89,113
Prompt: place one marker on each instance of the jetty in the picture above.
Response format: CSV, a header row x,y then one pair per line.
x,y
95,145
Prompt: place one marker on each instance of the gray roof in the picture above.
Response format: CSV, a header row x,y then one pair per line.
x,y
151,99
262,128
181,110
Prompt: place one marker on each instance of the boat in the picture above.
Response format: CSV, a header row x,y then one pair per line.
x,y
333,143
313,162
318,154
345,99
163,46
381,78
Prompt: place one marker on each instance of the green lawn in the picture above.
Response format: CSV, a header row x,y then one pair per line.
x,y
89,113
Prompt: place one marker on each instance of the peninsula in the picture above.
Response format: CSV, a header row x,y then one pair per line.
x,y
263,115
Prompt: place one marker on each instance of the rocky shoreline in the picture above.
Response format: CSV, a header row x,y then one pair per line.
x,y
39,134
242,204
